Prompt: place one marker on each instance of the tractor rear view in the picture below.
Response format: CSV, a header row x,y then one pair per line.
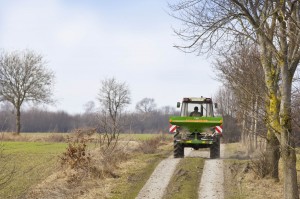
x,y
196,127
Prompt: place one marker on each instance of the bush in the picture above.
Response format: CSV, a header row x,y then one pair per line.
x,y
150,146
98,163
260,165
76,156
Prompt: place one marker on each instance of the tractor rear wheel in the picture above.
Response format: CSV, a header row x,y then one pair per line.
x,y
215,149
178,150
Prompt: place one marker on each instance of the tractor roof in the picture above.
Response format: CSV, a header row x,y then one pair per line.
x,y
196,99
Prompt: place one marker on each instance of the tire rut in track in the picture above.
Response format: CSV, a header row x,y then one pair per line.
x,y
159,180
211,186
212,180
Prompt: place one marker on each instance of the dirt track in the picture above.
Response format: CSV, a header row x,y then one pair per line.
x,y
211,186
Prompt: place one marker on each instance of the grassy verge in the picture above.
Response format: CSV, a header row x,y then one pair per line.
x,y
186,179
136,172
234,188
31,162
241,181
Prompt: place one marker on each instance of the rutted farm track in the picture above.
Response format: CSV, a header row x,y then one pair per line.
x,y
211,186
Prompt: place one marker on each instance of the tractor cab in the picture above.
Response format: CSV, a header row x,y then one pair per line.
x,y
190,105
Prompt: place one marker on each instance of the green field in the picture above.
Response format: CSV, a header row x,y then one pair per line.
x,y
31,162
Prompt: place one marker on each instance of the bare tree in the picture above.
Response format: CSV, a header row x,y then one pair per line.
x,y
274,26
169,110
24,77
241,72
146,105
114,96
145,109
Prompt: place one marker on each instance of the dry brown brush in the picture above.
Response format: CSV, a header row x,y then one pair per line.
x,y
150,146
93,157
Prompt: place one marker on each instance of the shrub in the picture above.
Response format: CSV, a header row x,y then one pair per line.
x,y
98,163
260,165
76,156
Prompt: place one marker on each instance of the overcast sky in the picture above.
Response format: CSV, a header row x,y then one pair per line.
x,y
87,41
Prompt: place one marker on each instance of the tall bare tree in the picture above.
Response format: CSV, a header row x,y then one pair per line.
x,y
274,26
114,96
146,105
24,77
241,72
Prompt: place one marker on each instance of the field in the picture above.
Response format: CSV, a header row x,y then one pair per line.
x,y
30,163
33,157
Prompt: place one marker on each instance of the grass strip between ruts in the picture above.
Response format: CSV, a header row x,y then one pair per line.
x,y
186,179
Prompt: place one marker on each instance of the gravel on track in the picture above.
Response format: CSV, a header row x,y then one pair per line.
x,y
211,186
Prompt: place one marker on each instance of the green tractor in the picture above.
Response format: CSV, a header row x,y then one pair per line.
x,y
196,127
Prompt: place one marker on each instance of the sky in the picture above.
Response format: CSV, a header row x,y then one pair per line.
x,y
85,42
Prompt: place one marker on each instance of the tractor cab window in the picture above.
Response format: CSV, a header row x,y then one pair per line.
x,y
204,109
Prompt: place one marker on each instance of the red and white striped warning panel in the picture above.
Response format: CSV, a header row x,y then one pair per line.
x,y
172,128
219,129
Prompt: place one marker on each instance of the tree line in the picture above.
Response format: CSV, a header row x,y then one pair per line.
x,y
42,120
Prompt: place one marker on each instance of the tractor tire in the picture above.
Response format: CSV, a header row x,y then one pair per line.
x,y
215,149
178,150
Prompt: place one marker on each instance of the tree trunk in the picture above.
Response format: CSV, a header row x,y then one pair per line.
x,y
273,146
273,156
286,138
18,120
272,108
255,122
289,167
244,137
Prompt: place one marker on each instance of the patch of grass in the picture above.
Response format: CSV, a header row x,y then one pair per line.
x,y
186,179
233,178
141,137
241,182
236,151
33,162
136,173
233,186
33,137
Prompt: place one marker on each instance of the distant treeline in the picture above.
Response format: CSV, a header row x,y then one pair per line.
x,y
40,120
